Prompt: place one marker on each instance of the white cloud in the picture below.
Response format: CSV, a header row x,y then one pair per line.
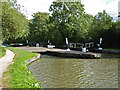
x,y
95,6
91,6
112,9
33,6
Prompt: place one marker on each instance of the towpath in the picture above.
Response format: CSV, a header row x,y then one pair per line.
x,y
39,49
5,61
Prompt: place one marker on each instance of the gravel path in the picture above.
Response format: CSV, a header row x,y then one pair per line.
x,y
5,61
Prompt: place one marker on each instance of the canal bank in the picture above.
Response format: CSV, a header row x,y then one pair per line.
x,y
59,72
62,52
106,51
19,76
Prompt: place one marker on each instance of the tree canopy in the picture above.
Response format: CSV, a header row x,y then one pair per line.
x,y
101,22
38,27
68,19
14,23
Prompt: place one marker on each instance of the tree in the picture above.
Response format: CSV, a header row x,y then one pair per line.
x,y
112,36
14,23
68,19
0,23
101,22
38,27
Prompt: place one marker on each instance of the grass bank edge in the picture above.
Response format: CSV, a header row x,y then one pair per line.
x,y
3,51
114,49
19,76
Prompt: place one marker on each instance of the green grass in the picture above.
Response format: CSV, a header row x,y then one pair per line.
x,y
19,75
2,52
113,49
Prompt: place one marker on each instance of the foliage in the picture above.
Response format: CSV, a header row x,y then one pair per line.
x,y
19,75
101,22
68,19
38,27
103,26
14,23
2,52
112,34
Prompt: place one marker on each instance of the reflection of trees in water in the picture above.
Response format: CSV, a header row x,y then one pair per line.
x,y
110,56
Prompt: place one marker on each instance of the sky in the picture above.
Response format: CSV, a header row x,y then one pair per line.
x,y
91,6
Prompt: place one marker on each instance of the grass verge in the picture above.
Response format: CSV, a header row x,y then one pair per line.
x,y
115,49
19,75
2,51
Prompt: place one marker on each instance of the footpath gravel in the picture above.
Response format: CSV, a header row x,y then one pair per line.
x,y
5,61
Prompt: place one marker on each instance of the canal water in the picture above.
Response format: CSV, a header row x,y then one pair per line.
x,y
56,72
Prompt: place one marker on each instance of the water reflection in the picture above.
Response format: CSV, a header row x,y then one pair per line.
x,y
107,56
76,73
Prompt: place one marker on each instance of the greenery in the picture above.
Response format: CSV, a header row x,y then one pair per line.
x,y
103,27
14,23
38,27
101,22
112,49
66,19
2,52
19,75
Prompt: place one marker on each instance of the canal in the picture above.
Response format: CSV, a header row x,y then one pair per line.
x,y
56,72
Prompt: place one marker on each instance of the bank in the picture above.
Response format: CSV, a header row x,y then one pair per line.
x,y
18,75
108,51
2,49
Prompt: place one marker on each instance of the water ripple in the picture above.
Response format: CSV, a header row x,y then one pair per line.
x,y
76,73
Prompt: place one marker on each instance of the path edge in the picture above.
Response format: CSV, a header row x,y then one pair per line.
x,y
31,60
12,62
